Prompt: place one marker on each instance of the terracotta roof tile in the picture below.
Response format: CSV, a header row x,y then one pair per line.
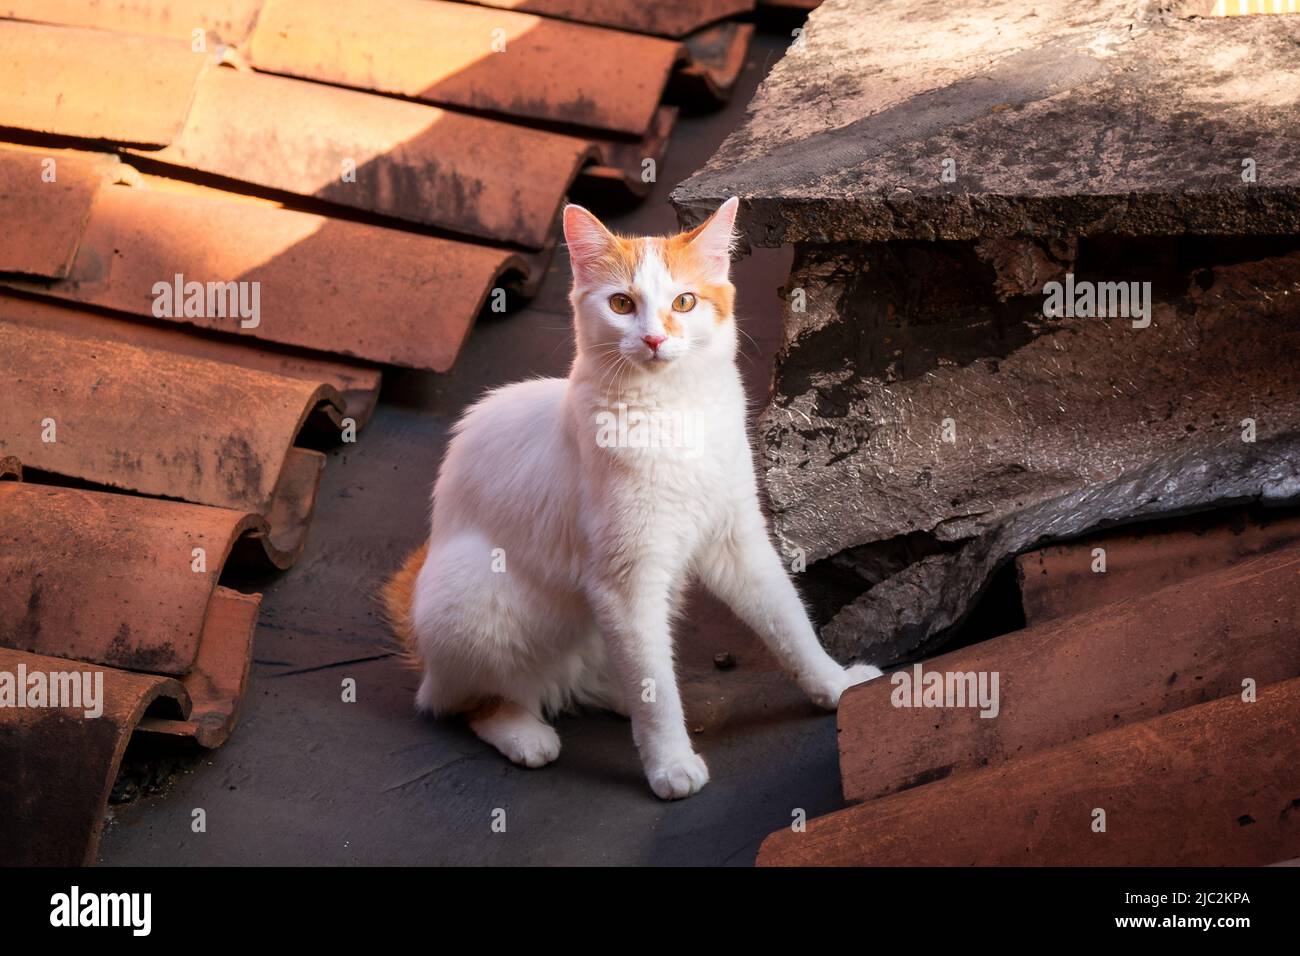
x,y
1065,679
323,284
229,20
1209,785
48,751
447,53
357,384
672,18
69,81
123,591
44,207
409,161
115,410
1059,581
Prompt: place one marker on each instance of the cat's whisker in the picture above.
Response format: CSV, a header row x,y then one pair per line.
x,y
753,341
610,362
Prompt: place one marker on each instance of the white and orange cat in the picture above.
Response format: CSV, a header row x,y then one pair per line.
x,y
569,515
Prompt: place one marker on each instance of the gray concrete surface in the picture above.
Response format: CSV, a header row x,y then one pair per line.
x,y
1059,118
309,779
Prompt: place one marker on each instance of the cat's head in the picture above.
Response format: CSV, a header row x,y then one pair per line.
x,y
652,301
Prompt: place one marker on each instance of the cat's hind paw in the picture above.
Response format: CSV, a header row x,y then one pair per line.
x,y
535,747
679,777
521,737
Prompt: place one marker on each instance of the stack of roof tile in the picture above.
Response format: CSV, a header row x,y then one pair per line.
x,y
1146,716
223,220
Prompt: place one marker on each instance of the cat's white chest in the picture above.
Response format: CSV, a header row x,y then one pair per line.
x,y
695,443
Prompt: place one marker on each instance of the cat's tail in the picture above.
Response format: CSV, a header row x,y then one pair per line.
x,y
396,596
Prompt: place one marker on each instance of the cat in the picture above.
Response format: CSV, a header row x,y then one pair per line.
x,y
569,515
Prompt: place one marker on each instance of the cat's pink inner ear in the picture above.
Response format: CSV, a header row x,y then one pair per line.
x,y
587,239
715,238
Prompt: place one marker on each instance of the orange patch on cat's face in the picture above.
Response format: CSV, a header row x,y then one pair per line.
x,y
668,318
687,266
620,264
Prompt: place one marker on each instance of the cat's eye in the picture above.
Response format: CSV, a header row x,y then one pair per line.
x,y
684,302
622,304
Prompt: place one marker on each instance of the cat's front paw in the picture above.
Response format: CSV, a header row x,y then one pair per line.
x,y
826,692
678,777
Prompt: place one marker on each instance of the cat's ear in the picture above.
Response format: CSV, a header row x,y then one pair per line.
x,y
589,242
713,239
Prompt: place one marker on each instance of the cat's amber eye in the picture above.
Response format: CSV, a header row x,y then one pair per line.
x,y
684,302
622,304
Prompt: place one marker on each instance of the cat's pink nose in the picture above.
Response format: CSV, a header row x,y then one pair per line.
x,y
654,341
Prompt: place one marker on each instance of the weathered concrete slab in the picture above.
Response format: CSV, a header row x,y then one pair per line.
x,y
1061,118
1056,425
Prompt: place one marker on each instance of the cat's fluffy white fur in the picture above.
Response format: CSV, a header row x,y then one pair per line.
x,y
559,550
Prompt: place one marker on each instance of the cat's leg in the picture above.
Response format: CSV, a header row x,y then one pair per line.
x,y
469,624
521,736
745,571
633,611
